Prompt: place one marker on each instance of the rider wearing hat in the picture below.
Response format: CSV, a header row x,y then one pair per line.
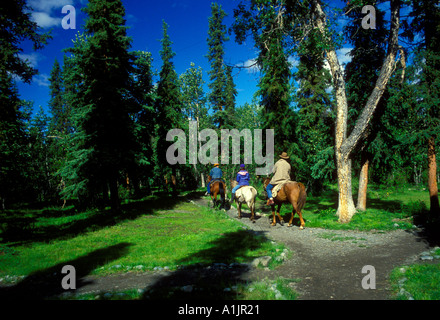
x,y
242,179
215,174
281,173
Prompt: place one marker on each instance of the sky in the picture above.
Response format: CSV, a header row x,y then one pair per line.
x,y
188,30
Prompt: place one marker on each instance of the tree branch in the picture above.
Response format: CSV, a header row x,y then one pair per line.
x,y
385,73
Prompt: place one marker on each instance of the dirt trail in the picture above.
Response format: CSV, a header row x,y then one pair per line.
x,y
329,262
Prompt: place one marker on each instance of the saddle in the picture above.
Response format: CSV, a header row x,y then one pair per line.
x,y
278,187
216,179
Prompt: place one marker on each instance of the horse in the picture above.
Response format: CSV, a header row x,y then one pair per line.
x,y
291,192
246,194
218,187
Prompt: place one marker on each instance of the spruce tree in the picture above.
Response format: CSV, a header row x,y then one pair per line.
x,y
106,129
15,25
217,75
426,22
144,119
168,107
315,115
268,23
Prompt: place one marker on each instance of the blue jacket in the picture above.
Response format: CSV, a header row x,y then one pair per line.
x,y
243,178
216,173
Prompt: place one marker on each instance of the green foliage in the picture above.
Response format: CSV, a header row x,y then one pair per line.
x,y
223,92
99,80
316,115
16,26
167,105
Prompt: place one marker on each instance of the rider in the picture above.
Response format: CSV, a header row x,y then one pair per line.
x,y
281,173
215,174
242,179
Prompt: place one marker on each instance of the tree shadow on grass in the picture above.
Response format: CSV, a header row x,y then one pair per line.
x,y
46,284
212,274
22,227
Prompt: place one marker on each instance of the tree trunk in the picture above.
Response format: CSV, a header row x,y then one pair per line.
x,y
363,183
346,208
114,195
432,177
344,145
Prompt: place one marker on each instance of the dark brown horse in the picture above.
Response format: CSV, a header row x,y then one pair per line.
x,y
218,187
291,192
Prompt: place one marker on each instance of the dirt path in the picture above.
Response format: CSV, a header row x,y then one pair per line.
x,y
328,263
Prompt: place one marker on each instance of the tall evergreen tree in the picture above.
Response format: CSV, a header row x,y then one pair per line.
x,y
315,115
168,107
143,96
15,25
426,22
217,75
102,67
268,24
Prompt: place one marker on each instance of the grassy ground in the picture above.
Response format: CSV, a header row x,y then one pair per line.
x,y
418,281
147,234
171,232
387,209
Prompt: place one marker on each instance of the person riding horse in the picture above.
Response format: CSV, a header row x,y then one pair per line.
x,y
242,179
215,174
281,173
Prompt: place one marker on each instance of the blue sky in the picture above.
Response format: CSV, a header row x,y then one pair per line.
x,y
188,30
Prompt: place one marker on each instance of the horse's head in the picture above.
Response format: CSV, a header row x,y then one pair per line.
x,y
233,183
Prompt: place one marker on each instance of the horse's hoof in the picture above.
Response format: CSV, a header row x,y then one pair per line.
x,y
301,228
289,225
273,224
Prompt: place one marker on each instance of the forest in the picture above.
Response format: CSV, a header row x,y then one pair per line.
x,y
373,121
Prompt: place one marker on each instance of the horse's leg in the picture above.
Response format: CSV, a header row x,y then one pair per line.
x,y
301,219
239,209
252,207
274,219
295,209
213,198
279,216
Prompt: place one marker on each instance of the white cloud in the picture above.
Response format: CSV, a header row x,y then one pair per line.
x,y
47,13
343,55
294,62
44,20
251,65
48,5
32,58
42,80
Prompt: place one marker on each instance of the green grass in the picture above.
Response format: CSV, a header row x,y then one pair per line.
x,y
172,232
280,289
387,209
183,235
154,232
421,282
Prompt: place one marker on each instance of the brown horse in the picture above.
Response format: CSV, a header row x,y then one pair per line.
x,y
218,187
291,192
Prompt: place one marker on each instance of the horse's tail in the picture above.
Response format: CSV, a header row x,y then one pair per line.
x,y
302,196
221,188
